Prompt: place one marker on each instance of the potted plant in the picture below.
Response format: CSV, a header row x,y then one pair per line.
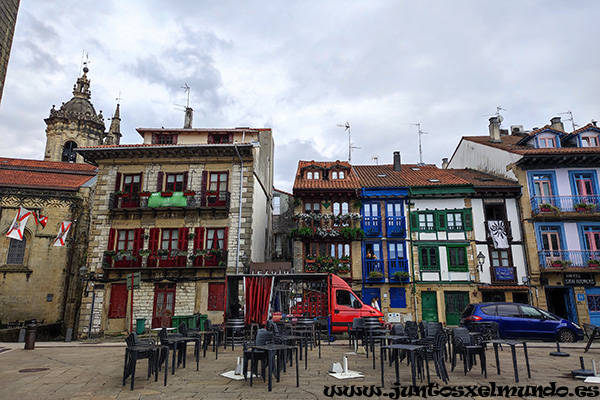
x,y
110,253
182,253
375,275
343,268
162,252
583,207
216,252
121,193
200,252
189,193
166,193
124,253
345,259
191,235
310,258
593,263
144,252
401,276
310,268
560,263
145,194
545,207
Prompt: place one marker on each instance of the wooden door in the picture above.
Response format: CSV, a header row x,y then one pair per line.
x,y
429,305
164,305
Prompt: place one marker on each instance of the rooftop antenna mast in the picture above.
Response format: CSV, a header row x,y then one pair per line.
x,y
376,158
84,56
570,119
497,114
421,133
350,146
189,112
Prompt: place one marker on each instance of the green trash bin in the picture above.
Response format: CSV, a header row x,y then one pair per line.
x,y
176,321
190,321
140,325
202,321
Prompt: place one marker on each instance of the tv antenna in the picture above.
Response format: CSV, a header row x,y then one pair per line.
x,y
421,133
497,114
570,118
376,158
350,145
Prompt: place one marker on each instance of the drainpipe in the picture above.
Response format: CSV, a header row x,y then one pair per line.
x,y
412,261
237,258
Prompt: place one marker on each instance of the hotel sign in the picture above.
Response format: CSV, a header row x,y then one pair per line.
x,y
579,279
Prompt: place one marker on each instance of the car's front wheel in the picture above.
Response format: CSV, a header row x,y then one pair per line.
x,y
566,336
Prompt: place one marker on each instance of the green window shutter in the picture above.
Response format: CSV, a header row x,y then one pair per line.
x,y
468,219
414,222
441,219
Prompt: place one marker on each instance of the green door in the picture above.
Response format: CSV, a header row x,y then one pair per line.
x,y
455,304
429,301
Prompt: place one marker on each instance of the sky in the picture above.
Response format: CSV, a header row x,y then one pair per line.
x,y
302,68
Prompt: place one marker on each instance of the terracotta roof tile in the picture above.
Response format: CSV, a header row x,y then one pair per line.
x,y
44,174
509,143
409,175
349,182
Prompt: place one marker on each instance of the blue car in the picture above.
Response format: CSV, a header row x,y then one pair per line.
x,y
522,321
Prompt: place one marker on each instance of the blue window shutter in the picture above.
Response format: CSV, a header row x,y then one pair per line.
x,y
398,297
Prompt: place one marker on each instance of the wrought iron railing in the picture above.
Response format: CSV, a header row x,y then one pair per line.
x,y
569,259
549,204
372,226
373,269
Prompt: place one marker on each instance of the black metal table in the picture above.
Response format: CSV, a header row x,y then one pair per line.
x,y
382,338
412,350
204,334
513,345
302,342
274,350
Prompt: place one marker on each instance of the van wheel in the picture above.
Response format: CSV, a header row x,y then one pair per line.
x,y
566,336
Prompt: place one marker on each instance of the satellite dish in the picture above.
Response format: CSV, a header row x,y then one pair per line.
x,y
500,118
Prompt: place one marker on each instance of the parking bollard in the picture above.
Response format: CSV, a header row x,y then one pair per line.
x,y
30,335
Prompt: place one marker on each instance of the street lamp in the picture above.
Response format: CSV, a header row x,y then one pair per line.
x,y
480,261
244,259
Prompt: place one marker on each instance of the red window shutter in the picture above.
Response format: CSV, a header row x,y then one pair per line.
x,y
225,239
185,180
118,182
118,301
159,181
203,188
175,139
138,243
230,138
182,244
111,239
199,238
153,246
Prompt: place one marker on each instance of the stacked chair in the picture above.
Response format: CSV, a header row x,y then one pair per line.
x,y
463,346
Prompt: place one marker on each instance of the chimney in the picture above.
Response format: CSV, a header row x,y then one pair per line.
x,y
495,130
445,163
189,116
556,124
397,166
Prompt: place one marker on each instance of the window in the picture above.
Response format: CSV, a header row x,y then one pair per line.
x,y
441,220
339,250
334,175
508,310
346,298
215,238
125,239
219,138
454,220
68,154
426,222
216,296
170,238
457,259
589,141
16,251
132,184
341,175
428,258
530,312
546,142
164,139
312,207
584,184
218,182
542,185
309,175
276,205
175,182
499,258
337,175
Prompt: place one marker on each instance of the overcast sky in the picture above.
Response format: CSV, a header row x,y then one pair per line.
x,y
303,67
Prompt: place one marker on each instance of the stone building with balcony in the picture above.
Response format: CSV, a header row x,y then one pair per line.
x,y
560,213
328,234
183,209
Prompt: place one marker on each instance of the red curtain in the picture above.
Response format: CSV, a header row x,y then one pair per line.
x,y
258,295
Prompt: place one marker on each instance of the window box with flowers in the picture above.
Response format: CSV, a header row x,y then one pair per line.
x,y
375,276
310,259
145,194
560,263
166,193
593,263
144,252
189,193
121,193
545,207
584,207
162,252
402,276
310,268
301,233
343,268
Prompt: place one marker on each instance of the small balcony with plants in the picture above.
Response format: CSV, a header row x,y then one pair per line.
x,y
398,270
569,259
168,199
395,226
373,270
549,205
327,264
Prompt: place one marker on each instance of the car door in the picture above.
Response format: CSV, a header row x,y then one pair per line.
x,y
536,325
510,321
347,307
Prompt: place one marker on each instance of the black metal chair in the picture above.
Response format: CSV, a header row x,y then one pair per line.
x,y
356,332
462,346
436,349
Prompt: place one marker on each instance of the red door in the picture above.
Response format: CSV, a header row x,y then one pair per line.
x,y
118,301
164,305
